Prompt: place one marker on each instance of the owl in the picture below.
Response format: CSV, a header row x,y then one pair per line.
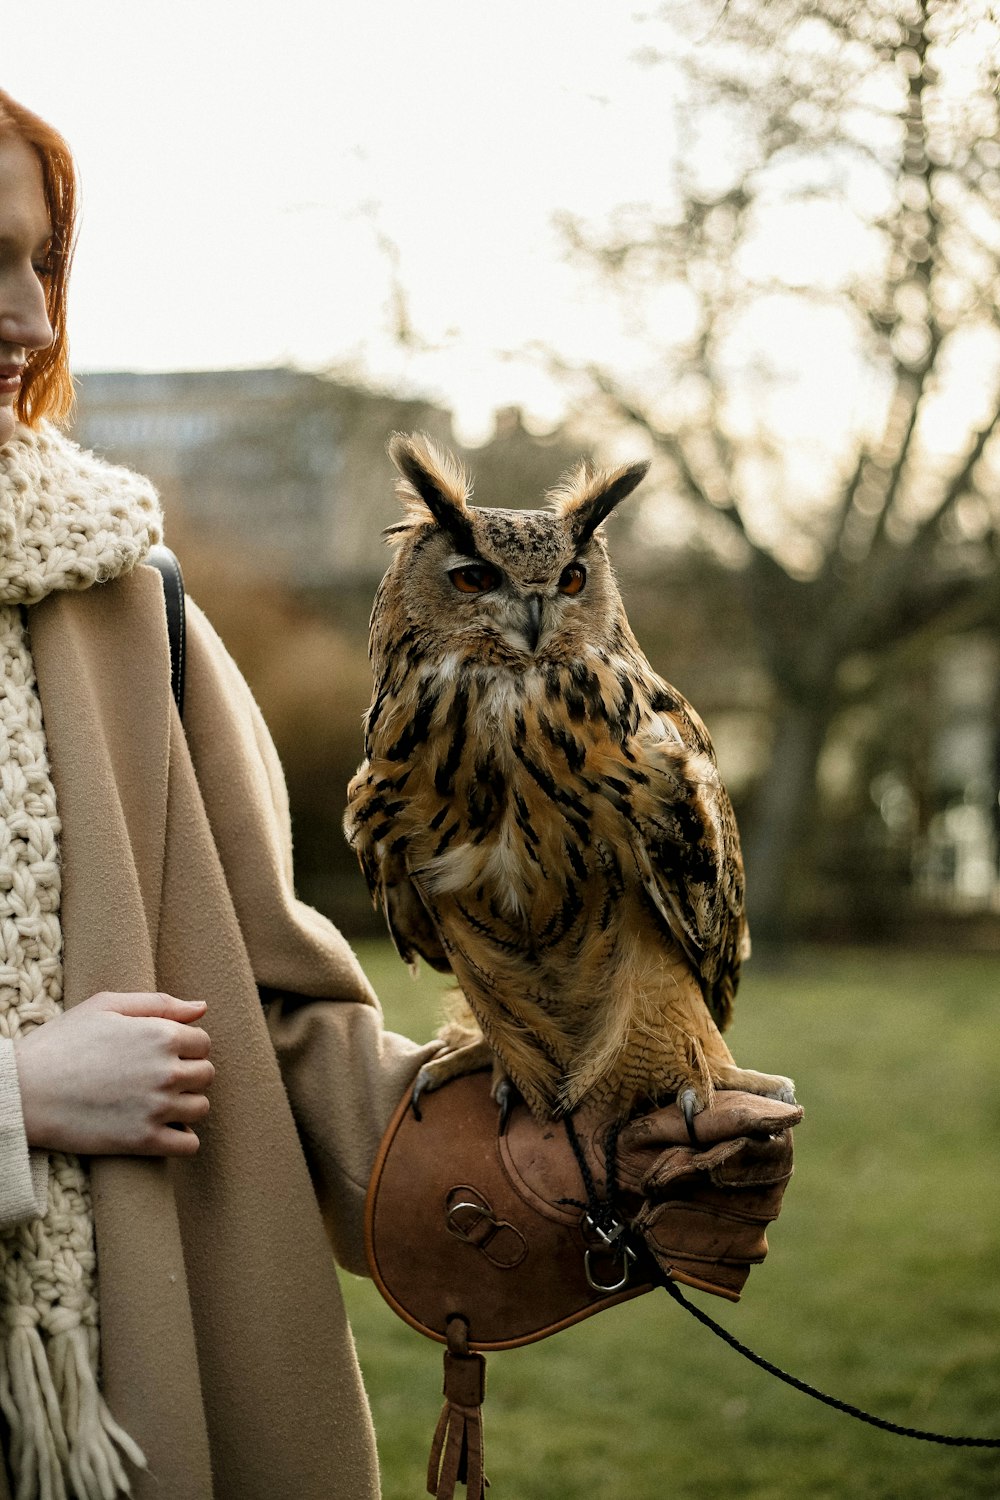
x,y
539,813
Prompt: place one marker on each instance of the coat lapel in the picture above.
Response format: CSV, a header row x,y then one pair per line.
x,y
103,667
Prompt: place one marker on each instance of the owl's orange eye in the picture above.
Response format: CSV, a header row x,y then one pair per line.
x,y
477,578
572,579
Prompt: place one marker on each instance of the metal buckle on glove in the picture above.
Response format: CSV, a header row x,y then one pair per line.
x,y
613,1243
469,1217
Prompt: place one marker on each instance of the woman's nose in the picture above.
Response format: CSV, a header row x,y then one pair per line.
x,y
24,316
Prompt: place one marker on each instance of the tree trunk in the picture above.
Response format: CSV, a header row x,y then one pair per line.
x,y
783,818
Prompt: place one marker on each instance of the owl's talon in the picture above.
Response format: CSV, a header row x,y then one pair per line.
x,y
423,1082
690,1107
505,1094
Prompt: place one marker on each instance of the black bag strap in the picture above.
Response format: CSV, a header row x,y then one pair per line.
x,y
169,569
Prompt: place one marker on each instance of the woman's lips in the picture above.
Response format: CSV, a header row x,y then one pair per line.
x,y
10,379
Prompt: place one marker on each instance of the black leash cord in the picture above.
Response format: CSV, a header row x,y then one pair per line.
x,y
810,1390
600,1210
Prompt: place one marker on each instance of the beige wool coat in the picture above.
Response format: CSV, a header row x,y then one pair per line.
x,y
225,1349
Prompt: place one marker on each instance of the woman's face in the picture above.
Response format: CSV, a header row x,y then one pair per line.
x,y
25,235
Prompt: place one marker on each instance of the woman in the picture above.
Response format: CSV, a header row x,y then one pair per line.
x,y
146,908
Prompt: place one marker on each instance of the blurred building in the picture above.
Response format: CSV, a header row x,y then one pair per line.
x,y
279,463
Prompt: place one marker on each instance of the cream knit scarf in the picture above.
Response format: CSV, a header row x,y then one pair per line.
x,y
67,521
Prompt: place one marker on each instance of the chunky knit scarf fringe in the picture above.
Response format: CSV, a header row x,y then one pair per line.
x,y
67,521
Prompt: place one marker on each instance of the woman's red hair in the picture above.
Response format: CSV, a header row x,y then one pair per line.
x,y
47,390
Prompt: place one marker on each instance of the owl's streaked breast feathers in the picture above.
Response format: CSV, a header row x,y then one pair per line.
x,y
538,811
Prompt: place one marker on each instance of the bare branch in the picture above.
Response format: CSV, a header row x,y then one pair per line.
x,y
921,270
866,459
671,444
845,505
964,608
961,481
918,382
942,607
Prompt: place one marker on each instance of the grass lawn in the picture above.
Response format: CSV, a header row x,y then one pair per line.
x,y
882,1285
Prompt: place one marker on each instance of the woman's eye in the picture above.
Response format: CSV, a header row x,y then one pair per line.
x,y
572,579
44,264
477,578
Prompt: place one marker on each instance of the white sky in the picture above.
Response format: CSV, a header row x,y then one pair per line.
x,y
240,162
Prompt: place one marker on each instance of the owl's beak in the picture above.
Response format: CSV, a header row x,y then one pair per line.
x,y
532,620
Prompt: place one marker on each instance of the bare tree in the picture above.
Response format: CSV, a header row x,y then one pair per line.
x,y
816,303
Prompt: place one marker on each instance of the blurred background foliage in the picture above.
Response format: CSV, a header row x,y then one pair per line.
x,y
810,353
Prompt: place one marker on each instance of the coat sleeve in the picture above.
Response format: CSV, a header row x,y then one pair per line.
x,y
343,1072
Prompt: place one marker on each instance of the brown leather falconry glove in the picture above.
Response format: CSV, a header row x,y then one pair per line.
x,y
485,1239
524,1231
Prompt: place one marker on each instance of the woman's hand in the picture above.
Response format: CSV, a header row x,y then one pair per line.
x,y
119,1074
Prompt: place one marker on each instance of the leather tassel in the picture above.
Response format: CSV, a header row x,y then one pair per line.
x,y
457,1449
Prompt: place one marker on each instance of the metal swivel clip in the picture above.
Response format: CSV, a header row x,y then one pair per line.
x,y
611,1234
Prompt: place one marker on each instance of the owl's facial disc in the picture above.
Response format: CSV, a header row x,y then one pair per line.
x,y
520,610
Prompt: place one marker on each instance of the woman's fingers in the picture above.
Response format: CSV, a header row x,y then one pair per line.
x,y
191,1041
169,1140
191,1076
148,1003
187,1109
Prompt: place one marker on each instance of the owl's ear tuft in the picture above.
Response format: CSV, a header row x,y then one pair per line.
x,y
587,496
433,486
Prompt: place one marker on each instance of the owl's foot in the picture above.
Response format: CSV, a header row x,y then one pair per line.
x,y
456,1062
746,1080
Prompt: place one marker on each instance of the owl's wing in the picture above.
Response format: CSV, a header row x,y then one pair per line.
x,y
687,852
410,925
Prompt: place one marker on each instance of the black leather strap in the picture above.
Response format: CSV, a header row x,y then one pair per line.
x,y
169,570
